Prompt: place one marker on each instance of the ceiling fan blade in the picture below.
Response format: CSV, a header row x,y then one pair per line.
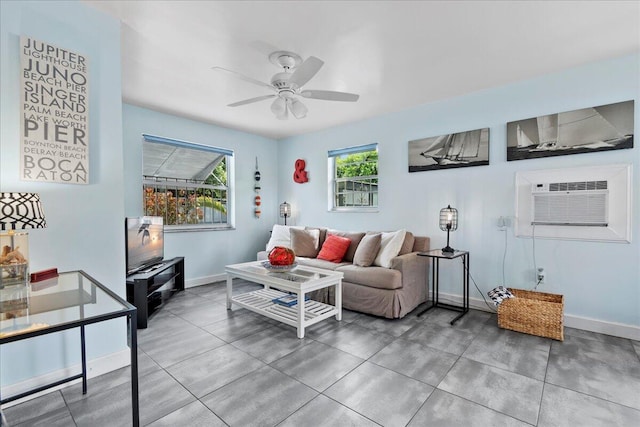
x,y
243,77
329,95
251,100
305,71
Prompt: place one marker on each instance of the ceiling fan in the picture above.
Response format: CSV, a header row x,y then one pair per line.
x,y
287,85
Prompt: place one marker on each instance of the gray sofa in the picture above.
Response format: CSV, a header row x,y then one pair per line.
x,y
387,292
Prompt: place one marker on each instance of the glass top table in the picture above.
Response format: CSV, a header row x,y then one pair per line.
x,y
70,300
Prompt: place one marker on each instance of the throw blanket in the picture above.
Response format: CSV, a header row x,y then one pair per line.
x,y
499,294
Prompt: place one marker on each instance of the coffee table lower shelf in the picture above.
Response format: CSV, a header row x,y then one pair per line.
x,y
261,301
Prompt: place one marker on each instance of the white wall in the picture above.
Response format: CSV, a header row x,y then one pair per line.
x,y
84,222
207,252
599,280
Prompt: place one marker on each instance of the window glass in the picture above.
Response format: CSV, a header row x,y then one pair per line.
x,y
354,182
187,184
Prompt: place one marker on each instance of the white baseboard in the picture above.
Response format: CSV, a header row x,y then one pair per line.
x,y
95,367
191,283
587,324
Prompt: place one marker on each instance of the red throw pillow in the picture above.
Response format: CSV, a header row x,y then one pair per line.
x,y
334,248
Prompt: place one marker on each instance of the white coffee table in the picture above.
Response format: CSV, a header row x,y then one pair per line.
x,y
299,281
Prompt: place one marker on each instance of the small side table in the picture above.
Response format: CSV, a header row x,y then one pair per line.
x,y
436,255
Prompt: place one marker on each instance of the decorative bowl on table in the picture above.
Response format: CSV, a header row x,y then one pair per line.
x,y
281,255
279,268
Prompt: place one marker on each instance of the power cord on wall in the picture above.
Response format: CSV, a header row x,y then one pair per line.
x,y
476,285
533,245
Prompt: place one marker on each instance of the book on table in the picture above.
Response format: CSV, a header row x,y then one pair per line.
x,y
288,300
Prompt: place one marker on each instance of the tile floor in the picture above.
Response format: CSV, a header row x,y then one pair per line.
x,y
201,365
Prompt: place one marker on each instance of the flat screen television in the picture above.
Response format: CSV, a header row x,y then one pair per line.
x,y
145,242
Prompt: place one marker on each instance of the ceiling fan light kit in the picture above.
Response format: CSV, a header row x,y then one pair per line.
x,y
288,83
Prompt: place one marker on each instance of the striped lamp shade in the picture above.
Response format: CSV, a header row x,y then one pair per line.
x,y
20,211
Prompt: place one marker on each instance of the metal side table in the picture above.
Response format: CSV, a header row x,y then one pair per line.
x,y
436,255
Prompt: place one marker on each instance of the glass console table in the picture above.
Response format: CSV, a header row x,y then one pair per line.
x,y
71,300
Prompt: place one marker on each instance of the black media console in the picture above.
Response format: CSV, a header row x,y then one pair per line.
x,y
150,288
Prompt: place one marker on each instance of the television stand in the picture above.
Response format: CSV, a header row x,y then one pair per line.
x,y
150,288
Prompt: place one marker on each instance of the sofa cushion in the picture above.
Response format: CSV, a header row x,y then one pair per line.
x,y
323,234
280,236
390,244
407,246
373,277
305,242
320,263
334,248
355,241
367,250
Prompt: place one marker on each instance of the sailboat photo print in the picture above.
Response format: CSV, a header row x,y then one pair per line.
x,y
587,130
454,150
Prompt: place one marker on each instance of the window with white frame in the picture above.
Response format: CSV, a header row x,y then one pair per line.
x,y
187,184
353,175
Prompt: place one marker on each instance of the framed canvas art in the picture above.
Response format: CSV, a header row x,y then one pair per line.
x,y
588,130
453,150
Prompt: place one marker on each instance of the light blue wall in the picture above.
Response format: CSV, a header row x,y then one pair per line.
x,y
86,222
599,280
85,228
207,252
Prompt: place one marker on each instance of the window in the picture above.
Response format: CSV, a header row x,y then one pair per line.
x,y
354,178
188,184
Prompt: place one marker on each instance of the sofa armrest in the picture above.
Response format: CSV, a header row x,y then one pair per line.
x,y
415,272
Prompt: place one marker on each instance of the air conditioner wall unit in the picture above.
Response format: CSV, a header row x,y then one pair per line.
x,y
579,203
602,194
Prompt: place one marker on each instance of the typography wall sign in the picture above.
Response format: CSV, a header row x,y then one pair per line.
x,y
54,143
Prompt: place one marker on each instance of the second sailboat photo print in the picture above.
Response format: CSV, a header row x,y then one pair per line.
x,y
453,150
587,130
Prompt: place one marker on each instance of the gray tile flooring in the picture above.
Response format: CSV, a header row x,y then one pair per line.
x,y
201,365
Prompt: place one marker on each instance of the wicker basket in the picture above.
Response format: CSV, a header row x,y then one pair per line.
x,y
535,313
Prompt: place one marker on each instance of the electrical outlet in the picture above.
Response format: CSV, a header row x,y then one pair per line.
x,y
504,222
540,275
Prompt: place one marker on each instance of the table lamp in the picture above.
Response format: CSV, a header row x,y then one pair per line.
x,y
285,211
18,211
448,223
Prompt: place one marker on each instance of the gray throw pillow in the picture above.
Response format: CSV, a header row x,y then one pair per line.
x,y
367,250
305,242
355,238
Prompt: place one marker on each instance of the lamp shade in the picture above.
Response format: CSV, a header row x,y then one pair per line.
x,y
298,109
448,219
285,210
21,211
279,108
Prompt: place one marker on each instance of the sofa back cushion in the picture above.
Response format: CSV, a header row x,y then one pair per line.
x,y
421,244
355,238
323,234
367,250
407,246
334,248
280,236
305,242
390,245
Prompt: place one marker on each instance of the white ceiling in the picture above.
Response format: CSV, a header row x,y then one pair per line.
x,y
395,54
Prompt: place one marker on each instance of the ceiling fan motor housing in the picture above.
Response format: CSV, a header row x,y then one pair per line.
x,y
281,80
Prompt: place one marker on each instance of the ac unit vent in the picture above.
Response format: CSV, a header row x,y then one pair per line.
x,y
577,186
583,203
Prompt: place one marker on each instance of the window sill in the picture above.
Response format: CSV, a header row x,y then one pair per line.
x,y
191,228
356,210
